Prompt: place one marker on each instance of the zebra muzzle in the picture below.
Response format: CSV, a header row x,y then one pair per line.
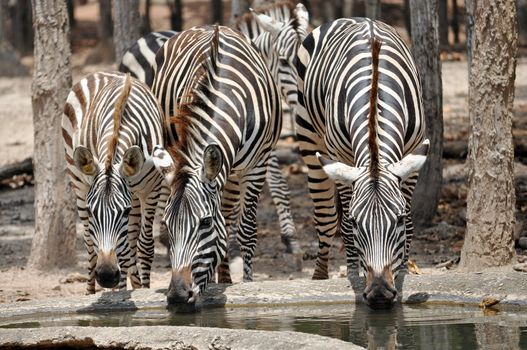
x,y
180,288
107,271
380,292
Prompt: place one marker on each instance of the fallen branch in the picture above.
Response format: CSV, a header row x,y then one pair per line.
x,y
10,170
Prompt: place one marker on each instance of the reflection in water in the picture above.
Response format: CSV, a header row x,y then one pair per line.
x,y
403,327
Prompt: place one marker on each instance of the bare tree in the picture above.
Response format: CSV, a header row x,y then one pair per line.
x,y
176,15
126,25
491,199
54,241
347,8
104,51
373,9
9,61
469,28
22,31
217,11
238,8
443,24
425,50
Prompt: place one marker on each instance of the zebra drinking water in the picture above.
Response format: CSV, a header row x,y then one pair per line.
x,y
225,118
110,126
360,129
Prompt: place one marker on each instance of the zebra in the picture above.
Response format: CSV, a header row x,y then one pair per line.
x,y
225,120
139,58
110,126
277,31
360,129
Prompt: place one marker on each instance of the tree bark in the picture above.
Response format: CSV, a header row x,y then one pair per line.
x,y
425,51
469,28
347,8
522,20
22,27
54,241
373,9
126,28
238,8
455,21
491,198
145,20
104,51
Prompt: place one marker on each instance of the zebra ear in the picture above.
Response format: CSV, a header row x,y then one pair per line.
x,y
338,171
303,16
267,23
212,163
411,163
84,161
133,161
164,164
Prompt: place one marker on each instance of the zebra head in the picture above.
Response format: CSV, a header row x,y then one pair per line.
x,y
377,215
108,203
193,217
279,45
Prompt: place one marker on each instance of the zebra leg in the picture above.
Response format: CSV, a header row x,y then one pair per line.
x,y
134,222
322,192
230,210
408,191
145,244
346,230
280,194
88,243
251,186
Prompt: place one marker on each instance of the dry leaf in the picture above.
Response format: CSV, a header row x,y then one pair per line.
x,y
413,268
488,302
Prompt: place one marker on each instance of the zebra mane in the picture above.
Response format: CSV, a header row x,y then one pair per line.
x,y
283,11
117,115
183,120
373,142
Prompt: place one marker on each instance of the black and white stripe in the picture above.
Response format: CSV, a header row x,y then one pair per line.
x,y
140,57
110,126
360,106
225,118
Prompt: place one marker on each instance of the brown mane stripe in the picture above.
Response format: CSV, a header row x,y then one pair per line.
x,y
117,115
372,120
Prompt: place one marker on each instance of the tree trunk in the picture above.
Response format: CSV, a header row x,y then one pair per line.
x,y
347,8
126,28
54,241
145,20
10,65
22,27
104,51
217,11
71,13
469,28
455,21
522,21
407,18
238,8
176,16
373,9
443,24
425,51
491,199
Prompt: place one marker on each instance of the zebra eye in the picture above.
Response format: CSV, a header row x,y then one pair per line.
x,y
205,222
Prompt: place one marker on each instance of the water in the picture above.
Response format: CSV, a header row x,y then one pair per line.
x,y
404,327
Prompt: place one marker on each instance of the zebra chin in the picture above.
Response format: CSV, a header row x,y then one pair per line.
x,y
380,292
180,290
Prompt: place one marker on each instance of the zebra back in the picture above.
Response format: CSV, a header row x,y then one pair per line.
x,y
138,59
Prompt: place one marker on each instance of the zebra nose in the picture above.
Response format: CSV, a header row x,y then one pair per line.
x,y
107,276
380,296
179,290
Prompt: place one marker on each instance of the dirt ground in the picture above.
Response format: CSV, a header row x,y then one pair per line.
x,y
437,244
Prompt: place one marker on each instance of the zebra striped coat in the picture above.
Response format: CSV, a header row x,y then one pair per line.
x,y
110,126
361,110
225,120
138,60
